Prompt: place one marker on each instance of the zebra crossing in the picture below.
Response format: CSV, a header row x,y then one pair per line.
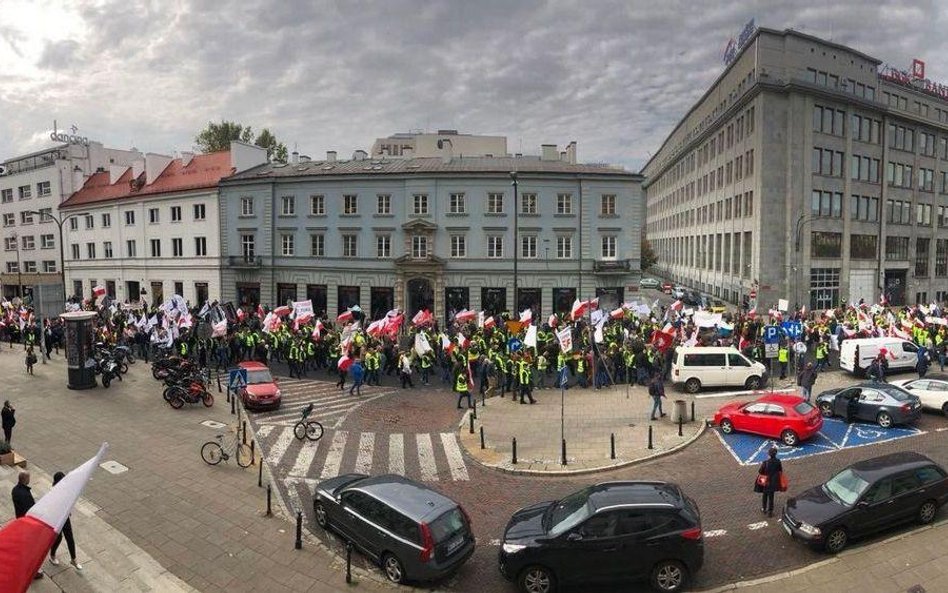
x,y
331,404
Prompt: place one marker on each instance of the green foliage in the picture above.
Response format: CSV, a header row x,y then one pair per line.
x,y
218,136
647,257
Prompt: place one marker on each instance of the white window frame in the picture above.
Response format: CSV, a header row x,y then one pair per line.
x,y
383,246
607,205
200,246
458,246
287,205
495,202
420,204
248,245
383,204
154,216
129,218
317,245
177,247
199,211
246,206
350,204
607,244
287,244
529,203
107,250
350,245
51,244
495,246
176,214
564,204
456,203
317,205
528,246
419,247
106,220
564,247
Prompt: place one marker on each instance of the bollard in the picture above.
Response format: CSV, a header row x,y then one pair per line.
x,y
299,530
692,410
243,432
650,436
563,453
259,470
483,398
471,417
348,562
482,437
680,419
253,452
233,404
219,389
269,511
228,395
474,409
612,446
514,460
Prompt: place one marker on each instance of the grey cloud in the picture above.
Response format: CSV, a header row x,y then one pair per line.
x,y
59,55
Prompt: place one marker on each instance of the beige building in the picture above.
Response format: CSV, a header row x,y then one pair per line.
x,y
808,171
422,144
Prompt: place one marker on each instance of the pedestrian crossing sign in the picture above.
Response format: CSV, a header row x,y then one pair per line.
x,y
237,379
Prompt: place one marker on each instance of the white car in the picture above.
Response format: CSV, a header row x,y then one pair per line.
x,y
679,292
932,390
650,283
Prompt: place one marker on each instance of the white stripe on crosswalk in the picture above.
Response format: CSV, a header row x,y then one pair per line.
x,y
426,459
366,450
279,447
334,457
396,454
304,459
264,431
455,459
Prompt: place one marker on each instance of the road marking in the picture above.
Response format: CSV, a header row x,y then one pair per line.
x,y
366,448
494,542
943,429
715,533
396,453
264,431
334,457
304,459
279,447
429,471
455,459
756,526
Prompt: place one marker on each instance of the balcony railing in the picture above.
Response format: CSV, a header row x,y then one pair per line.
x,y
245,261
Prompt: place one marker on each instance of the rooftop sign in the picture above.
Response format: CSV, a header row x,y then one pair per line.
x,y
735,46
914,80
74,138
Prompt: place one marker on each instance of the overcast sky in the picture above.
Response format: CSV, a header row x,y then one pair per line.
x,y
614,76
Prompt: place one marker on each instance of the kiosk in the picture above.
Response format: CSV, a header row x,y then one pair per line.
x,y
80,335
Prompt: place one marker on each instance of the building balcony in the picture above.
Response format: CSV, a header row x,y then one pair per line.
x,y
244,261
611,266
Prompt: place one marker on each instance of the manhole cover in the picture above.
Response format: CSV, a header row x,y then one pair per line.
x,y
213,424
113,467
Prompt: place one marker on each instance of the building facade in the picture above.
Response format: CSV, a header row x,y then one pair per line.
x,y
810,172
152,229
422,144
436,233
39,182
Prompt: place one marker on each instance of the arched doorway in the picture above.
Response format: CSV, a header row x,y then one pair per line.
x,y
420,295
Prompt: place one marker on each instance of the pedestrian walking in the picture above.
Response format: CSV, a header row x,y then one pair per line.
x,y
462,387
30,359
922,363
806,379
769,480
8,420
404,370
358,374
66,532
343,367
23,501
656,389
783,357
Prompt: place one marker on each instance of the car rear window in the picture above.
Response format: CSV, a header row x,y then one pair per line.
x,y
803,408
261,376
898,394
447,525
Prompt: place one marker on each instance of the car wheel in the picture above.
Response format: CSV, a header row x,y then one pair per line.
x,y
836,540
537,579
727,427
944,409
393,569
752,383
826,409
322,519
692,385
884,419
669,575
789,438
927,512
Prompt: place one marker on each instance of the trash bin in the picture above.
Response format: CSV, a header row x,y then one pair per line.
x,y
679,411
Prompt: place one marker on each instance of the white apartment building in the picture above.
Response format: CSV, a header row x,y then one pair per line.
x,y
152,229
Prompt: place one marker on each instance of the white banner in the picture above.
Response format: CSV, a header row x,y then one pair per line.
x,y
783,305
303,308
530,340
565,338
707,319
422,346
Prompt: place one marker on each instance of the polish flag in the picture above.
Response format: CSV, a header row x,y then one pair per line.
x,y
662,339
447,346
260,312
219,329
677,305
98,291
579,308
617,313
526,316
25,542
282,311
240,315
393,323
883,301
345,317
423,317
465,316
553,321
376,328
344,362
463,341
317,331
489,322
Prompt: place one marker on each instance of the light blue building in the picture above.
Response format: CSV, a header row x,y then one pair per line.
x,y
434,232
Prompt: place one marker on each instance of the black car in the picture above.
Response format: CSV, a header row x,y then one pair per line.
x,y
607,532
866,497
412,531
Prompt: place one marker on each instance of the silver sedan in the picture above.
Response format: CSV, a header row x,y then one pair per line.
x,y
881,403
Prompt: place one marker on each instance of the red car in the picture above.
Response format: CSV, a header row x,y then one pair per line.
x,y
262,391
785,417
667,287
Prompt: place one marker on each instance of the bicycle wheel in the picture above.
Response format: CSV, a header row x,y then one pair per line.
x,y
300,430
314,430
208,399
243,454
212,453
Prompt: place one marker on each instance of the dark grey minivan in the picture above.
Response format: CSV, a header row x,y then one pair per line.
x,y
413,532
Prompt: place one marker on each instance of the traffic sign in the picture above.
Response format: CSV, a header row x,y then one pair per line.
x,y
237,378
771,334
770,350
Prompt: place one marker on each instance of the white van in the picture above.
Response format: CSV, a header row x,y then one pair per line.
x,y
902,353
715,366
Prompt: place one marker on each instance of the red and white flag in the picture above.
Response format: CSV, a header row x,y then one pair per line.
x,y
662,339
317,331
447,346
553,321
423,317
25,542
219,329
260,312
393,324
376,328
465,316
240,315
617,313
677,305
578,309
282,311
463,341
489,322
98,291
526,316
345,317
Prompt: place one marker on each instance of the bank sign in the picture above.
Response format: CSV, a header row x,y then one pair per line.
x,y
914,79
734,46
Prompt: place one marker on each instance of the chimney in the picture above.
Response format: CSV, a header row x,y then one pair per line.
x,y
78,178
359,155
186,156
563,155
330,156
571,152
154,165
548,152
294,157
116,172
447,150
305,158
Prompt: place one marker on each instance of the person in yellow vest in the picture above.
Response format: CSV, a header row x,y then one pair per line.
x,y
542,365
462,387
581,370
526,386
562,370
783,357
822,356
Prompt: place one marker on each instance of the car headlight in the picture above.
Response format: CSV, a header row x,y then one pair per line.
x,y
512,548
810,530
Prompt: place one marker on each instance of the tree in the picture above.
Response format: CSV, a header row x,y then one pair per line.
x,y
648,257
218,136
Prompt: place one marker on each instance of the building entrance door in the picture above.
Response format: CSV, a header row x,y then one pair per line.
x,y
420,295
895,287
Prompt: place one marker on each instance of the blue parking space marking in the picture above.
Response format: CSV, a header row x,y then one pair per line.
x,y
835,435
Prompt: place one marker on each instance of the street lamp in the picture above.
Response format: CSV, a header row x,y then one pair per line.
x,y
60,220
516,246
19,272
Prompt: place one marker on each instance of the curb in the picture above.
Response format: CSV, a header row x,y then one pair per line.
x,y
586,470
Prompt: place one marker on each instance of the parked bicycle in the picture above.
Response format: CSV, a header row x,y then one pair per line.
x,y
308,429
213,452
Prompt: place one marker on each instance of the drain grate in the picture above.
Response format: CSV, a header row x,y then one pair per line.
x,y
113,467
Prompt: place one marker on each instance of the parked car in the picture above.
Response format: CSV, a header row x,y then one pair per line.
x,y
413,532
866,497
608,532
855,355
715,366
716,306
932,391
679,292
262,391
692,298
777,416
667,287
649,283
883,403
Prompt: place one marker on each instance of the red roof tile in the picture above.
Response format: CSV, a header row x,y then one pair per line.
x,y
204,171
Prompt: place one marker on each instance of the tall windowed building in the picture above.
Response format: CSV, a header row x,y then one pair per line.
x,y
808,171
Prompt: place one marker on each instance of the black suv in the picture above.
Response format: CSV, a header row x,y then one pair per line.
x,y
607,532
866,497
412,531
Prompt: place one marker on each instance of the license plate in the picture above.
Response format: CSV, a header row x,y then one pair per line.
x,y
454,544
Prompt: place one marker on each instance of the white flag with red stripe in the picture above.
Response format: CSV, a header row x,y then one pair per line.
x,y
526,316
25,542
578,309
465,316
99,291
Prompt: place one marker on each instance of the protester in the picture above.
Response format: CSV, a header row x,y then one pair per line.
x,y
66,532
656,390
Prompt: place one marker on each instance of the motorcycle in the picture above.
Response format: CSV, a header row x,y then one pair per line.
x,y
191,391
124,354
106,367
165,367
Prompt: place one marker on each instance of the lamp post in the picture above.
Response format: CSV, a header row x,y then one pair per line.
x,y
60,220
19,275
516,247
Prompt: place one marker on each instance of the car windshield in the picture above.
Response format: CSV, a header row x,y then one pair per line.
x,y
803,408
261,376
569,512
846,486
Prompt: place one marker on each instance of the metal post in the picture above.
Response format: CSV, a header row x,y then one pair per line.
x,y
514,459
563,453
243,432
482,437
348,562
233,404
269,495
516,246
650,436
299,530
680,420
612,446
219,390
259,468
474,412
471,417
692,410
